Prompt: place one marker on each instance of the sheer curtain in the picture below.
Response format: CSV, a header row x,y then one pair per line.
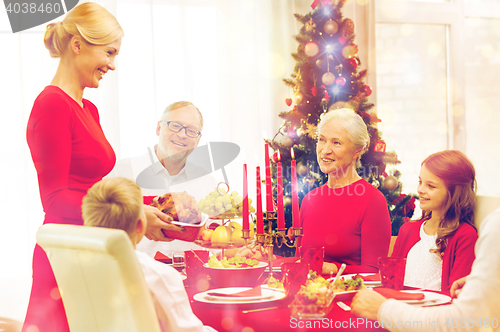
x,y
226,56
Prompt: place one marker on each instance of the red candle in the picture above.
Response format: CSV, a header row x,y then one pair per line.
x,y
260,220
245,198
295,195
281,211
269,183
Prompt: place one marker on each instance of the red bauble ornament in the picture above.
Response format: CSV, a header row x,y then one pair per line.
x,y
366,89
288,101
340,80
342,40
379,146
353,62
275,157
314,91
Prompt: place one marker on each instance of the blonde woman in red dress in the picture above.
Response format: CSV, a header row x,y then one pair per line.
x,y
67,144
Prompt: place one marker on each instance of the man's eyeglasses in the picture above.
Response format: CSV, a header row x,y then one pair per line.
x,y
177,127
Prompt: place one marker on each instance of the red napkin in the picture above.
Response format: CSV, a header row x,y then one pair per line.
x,y
256,291
372,277
397,295
162,258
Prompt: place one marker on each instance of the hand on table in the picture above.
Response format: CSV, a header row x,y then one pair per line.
x,y
456,287
157,221
366,304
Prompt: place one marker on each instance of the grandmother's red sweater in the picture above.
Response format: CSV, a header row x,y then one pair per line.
x,y
351,222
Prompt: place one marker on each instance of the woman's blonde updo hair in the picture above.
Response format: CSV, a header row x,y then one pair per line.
x,y
90,21
353,124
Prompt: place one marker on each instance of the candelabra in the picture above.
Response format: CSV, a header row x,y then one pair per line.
x,y
265,242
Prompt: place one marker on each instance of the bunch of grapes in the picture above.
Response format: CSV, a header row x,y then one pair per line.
x,y
219,204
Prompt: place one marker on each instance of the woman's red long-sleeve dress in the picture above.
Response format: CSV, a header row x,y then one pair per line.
x,y
70,153
352,223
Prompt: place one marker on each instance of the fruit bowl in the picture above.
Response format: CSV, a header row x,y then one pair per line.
x,y
235,277
313,300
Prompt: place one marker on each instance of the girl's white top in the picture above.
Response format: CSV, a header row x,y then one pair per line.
x,y
423,268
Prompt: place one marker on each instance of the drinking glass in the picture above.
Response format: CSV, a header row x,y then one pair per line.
x,y
196,276
178,260
294,275
392,272
314,257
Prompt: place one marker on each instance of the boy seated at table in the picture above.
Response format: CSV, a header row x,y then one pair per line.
x,y
117,203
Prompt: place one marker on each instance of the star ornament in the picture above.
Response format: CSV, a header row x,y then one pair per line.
x,y
310,25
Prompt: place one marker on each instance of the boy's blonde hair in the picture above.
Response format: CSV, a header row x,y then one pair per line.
x,y
113,203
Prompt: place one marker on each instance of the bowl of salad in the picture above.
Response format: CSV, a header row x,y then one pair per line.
x,y
234,272
314,300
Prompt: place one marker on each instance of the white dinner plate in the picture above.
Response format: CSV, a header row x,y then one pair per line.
x,y
430,298
367,283
270,295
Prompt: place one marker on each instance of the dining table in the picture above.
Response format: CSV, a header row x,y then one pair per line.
x,y
275,315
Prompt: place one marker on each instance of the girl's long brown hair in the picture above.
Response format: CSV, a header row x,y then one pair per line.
x,y
459,176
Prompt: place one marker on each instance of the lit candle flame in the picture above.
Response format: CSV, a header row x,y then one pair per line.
x,y
279,156
293,154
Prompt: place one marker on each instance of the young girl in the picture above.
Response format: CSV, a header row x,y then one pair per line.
x,y
439,248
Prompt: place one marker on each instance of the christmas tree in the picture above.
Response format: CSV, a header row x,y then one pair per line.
x,y
327,77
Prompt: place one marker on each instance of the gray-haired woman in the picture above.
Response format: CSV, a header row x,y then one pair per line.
x,y
347,216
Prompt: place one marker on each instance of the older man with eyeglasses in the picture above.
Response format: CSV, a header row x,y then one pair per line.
x,y
167,168
179,131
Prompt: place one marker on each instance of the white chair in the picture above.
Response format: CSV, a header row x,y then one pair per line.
x,y
101,282
10,325
484,206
